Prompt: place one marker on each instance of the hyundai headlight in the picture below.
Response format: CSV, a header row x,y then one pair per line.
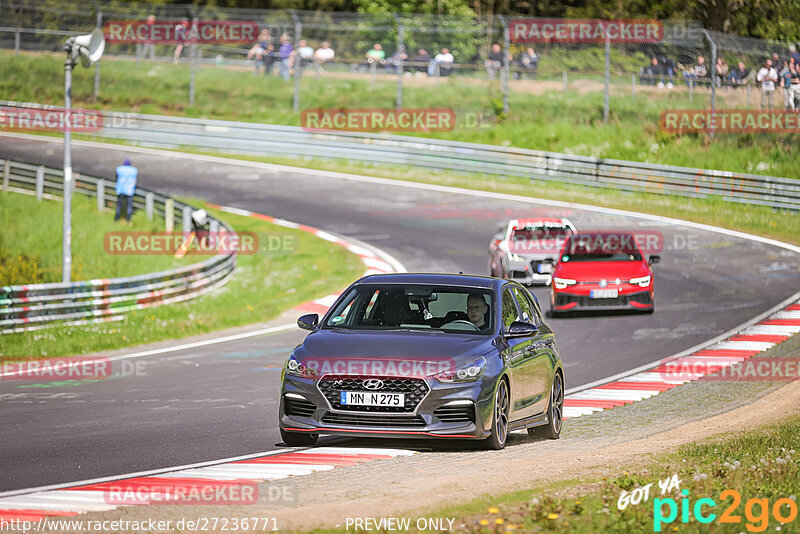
x,y
469,372
295,367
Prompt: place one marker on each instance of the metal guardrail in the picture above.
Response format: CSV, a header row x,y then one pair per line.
x,y
272,140
36,306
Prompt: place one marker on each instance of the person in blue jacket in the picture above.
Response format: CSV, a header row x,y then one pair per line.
x,y
126,186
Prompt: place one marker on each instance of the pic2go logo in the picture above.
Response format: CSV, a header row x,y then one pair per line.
x,y
756,511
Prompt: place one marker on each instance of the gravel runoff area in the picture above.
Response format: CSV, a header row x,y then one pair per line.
x,y
597,445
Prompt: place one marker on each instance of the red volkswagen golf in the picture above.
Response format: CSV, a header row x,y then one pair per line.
x,y
602,271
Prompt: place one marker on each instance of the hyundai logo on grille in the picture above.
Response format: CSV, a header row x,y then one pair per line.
x,y
372,383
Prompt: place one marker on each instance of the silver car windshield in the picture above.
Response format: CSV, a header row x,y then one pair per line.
x,y
414,307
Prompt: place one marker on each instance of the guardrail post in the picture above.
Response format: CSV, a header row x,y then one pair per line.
x,y
6,174
564,77
213,227
148,205
101,194
39,182
169,215
187,219
17,35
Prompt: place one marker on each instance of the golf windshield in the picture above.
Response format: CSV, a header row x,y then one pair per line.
x,y
415,307
601,247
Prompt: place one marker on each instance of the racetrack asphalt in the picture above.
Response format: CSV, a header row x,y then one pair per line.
x,y
221,400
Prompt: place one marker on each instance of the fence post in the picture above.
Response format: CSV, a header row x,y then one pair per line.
x,y
187,220
691,88
192,53
713,70
564,77
373,68
17,35
97,63
633,85
607,76
148,205
6,174
400,46
298,61
169,215
748,94
39,182
101,194
504,83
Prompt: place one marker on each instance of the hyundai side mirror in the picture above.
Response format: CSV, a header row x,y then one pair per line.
x,y
521,329
654,259
308,322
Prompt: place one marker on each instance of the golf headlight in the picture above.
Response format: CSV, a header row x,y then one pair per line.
x,y
295,367
469,372
561,283
644,281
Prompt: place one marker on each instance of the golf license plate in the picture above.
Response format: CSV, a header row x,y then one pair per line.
x,y
604,293
371,398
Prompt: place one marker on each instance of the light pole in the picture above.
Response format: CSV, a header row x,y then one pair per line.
x,y
89,48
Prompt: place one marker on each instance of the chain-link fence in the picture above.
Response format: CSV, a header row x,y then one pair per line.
x,y
395,52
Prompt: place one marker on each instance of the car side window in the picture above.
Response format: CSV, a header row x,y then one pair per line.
x,y
510,313
530,313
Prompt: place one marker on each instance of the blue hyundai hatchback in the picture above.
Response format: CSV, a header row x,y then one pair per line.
x,y
425,355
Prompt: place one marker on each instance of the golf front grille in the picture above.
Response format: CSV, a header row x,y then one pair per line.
x,y
414,390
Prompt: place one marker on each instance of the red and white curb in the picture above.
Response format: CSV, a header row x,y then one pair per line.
x,y
376,261
737,348
164,487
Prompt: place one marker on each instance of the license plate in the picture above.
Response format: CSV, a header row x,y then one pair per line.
x,y
543,268
604,293
370,398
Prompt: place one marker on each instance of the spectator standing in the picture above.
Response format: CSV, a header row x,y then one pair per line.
x,y
739,75
785,76
767,77
149,46
669,69
420,61
494,62
651,72
263,51
528,63
697,73
794,68
794,55
776,61
181,36
126,187
285,56
441,64
720,71
323,54
304,55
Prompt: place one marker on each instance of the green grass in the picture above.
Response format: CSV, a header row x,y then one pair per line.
x,y
541,117
263,286
32,228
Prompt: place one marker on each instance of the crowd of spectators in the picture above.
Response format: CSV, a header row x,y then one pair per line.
x,y
773,74
283,56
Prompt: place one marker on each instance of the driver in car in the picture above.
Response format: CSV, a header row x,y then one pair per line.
x,y
476,310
